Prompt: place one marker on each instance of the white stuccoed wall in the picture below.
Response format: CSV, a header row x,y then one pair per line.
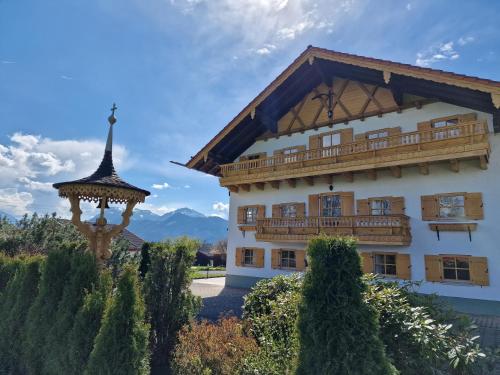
x,y
485,240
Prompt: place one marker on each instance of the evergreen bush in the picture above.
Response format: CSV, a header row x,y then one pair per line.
x,y
339,333
121,346
170,303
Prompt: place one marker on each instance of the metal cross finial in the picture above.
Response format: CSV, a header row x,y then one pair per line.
x,y
114,109
112,118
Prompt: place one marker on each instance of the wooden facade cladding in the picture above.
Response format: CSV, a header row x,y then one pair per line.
x,y
368,230
466,140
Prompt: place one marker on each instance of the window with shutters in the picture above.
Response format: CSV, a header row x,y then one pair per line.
x,y
248,257
288,210
329,140
330,205
451,206
380,207
287,259
385,264
456,268
444,124
250,215
376,141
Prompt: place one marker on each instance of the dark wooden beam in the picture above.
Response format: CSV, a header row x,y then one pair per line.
x,y
396,171
349,176
233,188
309,180
245,187
275,184
455,165
260,185
292,182
423,168
496,120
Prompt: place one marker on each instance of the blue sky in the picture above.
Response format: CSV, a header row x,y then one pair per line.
x,y
180,70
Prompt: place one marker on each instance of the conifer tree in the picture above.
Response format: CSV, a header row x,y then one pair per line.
x,y
121,346
339,333
145,259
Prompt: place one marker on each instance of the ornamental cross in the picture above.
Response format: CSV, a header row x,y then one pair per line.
x,y
330,96
113,109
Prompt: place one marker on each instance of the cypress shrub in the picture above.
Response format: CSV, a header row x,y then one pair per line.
x,y
169,301
14,305
339,333
55,275
87,324
8,267
83,276
145,260
121,346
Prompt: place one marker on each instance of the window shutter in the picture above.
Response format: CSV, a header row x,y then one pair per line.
x,y
238,256
300,259
403,266
395,130
363,206
259,258
467,117
314,142
301,209
275,258
261,212
433,268
346,135
241,215
243,158
429,207
314,205
425,126
277,152
397,205
474,206
347,203
276,210
367,262
479,271
360,137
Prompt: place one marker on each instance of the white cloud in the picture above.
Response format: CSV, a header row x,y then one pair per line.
x,y
440,52
162,186
67,78
187,186
266,50
465,40
14,202
408,6
159,210
36,185
221,209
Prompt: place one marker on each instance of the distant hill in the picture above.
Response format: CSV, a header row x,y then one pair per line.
x,y
181,222
11,218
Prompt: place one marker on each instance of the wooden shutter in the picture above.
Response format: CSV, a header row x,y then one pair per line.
x,y
347,203
467,117
479,271
238,256
360,137
346,135
259,257
363,206
367,262
243,158
433,268
397,205
261,212
474,206
394,131
241,215
424,126
429,207
314,205
300,260
403,266
278,152
275,258
276,210
301,209
314,142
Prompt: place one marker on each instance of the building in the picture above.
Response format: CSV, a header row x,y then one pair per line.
x,y
403,158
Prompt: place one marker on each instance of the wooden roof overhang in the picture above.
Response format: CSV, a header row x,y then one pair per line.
x,y
316,65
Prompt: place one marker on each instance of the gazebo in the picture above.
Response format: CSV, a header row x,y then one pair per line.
x,y
104,186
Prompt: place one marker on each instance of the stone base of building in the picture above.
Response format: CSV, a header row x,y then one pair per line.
x,y
239,281
473,306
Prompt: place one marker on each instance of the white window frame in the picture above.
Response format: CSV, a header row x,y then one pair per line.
x,y
288,261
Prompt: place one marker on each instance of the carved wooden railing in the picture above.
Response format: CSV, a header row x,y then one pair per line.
x,y
469,132
389,229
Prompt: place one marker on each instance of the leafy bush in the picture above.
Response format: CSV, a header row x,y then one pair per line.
x,y
170,303
121,346
8,267
212,349
339,333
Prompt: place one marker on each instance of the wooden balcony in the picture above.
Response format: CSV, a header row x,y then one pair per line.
x,y
368,230
419,148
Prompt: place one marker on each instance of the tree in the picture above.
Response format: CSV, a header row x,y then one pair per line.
x,y
339,333
121,346
145,260
169,301
220,248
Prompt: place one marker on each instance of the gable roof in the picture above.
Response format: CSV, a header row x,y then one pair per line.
x,y
310,69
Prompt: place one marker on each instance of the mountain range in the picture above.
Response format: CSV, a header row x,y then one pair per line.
x,y
10,218
181,222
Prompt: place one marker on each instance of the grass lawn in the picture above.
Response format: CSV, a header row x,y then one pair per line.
x,y
203,275
204,268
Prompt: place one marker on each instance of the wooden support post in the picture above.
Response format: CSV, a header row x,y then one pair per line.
x,y
233,188
329,179
275,184
371,174
292,182
483,162
396,171
454,165
309,180
349,176
424,168
260,185
245,187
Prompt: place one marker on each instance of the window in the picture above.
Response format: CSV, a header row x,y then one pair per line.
x,y
330,205
385,264
290,154
451,206
446,133
329,140
254,157
380,207
376,142
288,210
250,215
456,268
287,259
248,257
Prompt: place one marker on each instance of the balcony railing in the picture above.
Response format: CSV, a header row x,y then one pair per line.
x,y
469,139
381,230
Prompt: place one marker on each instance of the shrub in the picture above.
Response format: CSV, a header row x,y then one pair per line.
x,y
14,305
8,267
121,346
339,333
212,349
170,303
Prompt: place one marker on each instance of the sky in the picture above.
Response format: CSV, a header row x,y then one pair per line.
x,y
179,71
